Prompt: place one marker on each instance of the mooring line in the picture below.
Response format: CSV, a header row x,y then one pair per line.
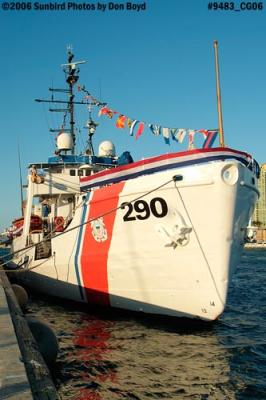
x,y
201,248
46,239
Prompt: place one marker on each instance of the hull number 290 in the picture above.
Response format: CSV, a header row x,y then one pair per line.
x,y
142,210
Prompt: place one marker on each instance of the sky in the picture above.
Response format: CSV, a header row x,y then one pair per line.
x,y
155,65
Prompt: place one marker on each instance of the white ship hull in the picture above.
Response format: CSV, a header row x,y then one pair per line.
x,y
171,252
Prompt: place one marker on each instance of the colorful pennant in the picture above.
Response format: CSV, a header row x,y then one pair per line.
x,y
120,123
177,134
156,129
211,136
166,135
191,134
140,130
132,126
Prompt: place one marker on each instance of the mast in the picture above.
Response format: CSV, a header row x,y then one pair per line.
x,y
72,77
218,92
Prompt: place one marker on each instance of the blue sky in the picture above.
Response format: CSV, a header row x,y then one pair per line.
x,y
155,65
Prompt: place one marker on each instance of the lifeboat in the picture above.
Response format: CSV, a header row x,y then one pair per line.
x,y
35,225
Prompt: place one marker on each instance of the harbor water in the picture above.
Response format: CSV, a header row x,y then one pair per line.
x,y
111,355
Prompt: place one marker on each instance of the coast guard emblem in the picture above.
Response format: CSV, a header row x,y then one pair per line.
x,y
98,230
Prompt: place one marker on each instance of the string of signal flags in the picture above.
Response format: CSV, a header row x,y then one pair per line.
x,y
136,127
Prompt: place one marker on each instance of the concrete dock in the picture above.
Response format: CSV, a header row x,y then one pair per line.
x,y
14,383
23,372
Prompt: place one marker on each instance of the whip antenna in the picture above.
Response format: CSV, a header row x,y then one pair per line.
x,y
20,180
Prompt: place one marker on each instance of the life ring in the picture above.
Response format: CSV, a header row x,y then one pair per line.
x,y
59,224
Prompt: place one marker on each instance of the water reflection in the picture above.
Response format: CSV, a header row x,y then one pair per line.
x,y
121,358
